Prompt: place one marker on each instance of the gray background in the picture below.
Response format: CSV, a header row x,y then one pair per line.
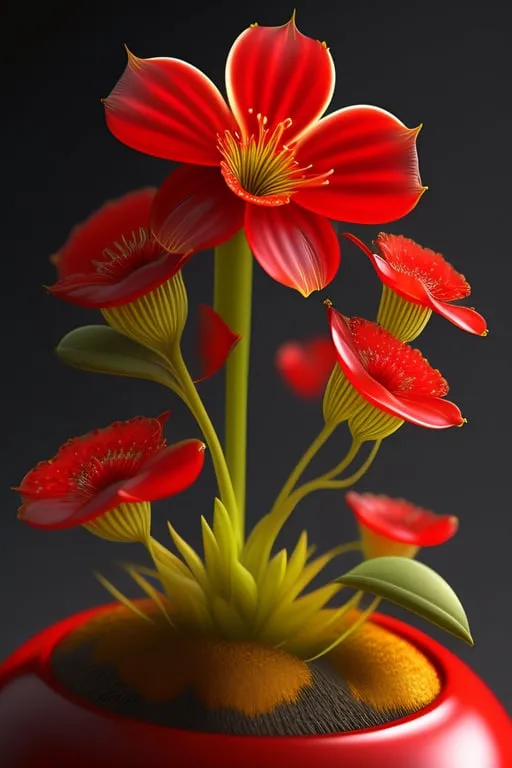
x,y
432,63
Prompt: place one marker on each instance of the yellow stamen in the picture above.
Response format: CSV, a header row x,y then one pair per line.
x,y
262,169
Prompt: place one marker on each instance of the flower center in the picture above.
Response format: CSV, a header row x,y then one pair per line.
x,y
129,254
100,472
262,169
394,364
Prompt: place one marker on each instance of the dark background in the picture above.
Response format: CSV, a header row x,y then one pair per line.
x,y
441,65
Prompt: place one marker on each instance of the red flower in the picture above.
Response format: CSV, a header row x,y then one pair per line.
x,y
112,258
390,374
267,162
423,277
126,462
384,522
306,366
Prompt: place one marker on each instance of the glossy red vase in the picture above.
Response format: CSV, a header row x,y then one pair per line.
x,y
43,725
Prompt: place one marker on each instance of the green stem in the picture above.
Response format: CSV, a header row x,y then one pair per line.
x,y
233,300
324,482
194,402
295,475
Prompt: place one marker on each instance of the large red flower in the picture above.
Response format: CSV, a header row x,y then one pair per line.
x,y
401,521
306,366
390,374
126,462
267,162
423,277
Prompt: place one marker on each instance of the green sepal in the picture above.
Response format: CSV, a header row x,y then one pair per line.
x,y
412,585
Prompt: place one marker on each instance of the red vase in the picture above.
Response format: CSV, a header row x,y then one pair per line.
x,y
43,725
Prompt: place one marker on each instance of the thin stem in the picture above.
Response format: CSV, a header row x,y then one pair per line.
x,y
233,301
352,628
295,475
194,402
325,482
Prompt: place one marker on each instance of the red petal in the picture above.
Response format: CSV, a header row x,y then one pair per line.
x,y
399,520
281,74
195,210
167,473
115,219
215,342
463,317
306,366
414,289
405,285
422,409
296,248
59,513
373,157
168,108
101,291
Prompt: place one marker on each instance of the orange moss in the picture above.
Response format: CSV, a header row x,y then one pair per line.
x,y
384,670
159,664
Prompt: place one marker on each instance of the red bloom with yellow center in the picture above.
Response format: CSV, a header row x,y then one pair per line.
x,y
112,258
90,475
266,162
423,277
390,374
386,522
306,366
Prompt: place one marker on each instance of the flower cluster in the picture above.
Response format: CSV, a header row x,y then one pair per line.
x,y
262,174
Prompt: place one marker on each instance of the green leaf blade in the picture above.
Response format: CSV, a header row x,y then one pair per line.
x,y
414,586
101,349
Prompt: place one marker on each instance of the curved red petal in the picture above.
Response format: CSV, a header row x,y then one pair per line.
x,y
113,221
306,366
167,473
101,291
423,410
374,163
59,513
282,74
295,247
408,287
215,342
195,210
466,318
400,520
167,108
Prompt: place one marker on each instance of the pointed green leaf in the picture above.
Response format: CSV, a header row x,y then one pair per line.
x,y
101,349
412,585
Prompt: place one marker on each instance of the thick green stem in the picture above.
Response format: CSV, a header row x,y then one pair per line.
x,y
233,300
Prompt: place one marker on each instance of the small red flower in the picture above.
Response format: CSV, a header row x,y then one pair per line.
x,y
423,277
266,162
306,366
126,462
400,520
390,374
112,258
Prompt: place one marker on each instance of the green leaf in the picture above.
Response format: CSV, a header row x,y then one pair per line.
x,y
412,585
101,349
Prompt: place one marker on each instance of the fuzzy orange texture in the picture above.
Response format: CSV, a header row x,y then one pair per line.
x,y
385,670
153,660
